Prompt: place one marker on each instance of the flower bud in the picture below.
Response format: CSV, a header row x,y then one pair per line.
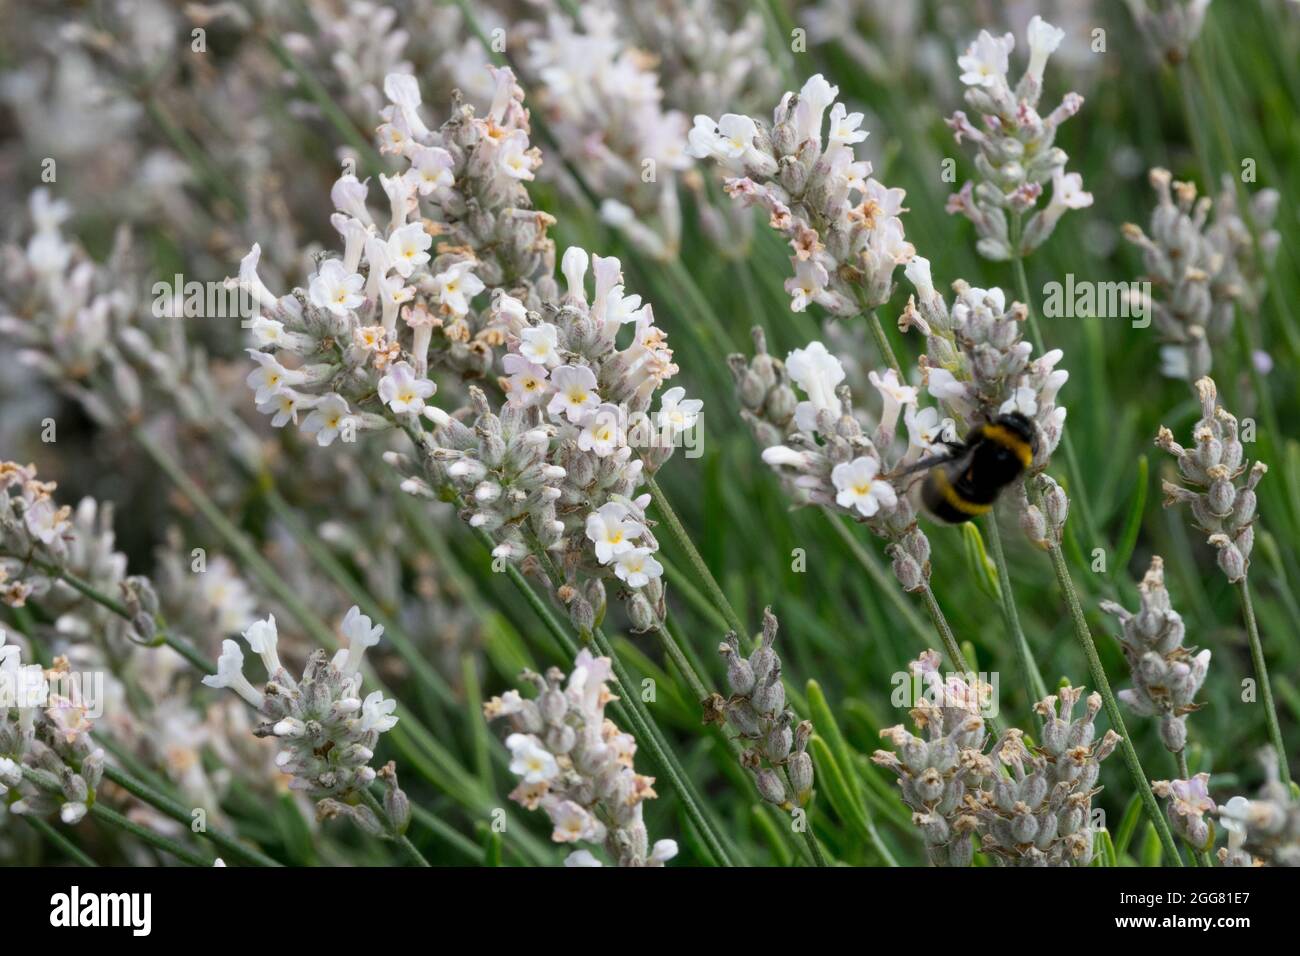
x,y
1173,733
582,615
641,614
800,769
770,786
740,676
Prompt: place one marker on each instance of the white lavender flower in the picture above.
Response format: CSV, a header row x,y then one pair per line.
x,y
48,732
820,450
1039,815
326,730
1170,26
842,225
1166,675
557,468
1264,831
944,764
978,365
1203,266
1042,814
577,400
1189,809
1015,156
371,323
41,541
605,107
1222,505
63,312
577,767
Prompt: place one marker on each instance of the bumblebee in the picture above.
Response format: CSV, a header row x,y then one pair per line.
x,y
963,482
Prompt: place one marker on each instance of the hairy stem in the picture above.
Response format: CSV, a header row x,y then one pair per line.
x,y
644,727
882,343
1261,672
46,781
1067,444
1100,681
1034,685
683,539
47,830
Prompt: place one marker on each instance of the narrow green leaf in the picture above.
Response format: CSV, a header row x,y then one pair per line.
x,y
1128,825
983,570
480,738
491,842
1104,850
1133,523
771,834
295,832
831,779
1151,851
825,725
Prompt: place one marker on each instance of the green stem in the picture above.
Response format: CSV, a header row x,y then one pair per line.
x,y
333,112
470,850
1184,773
1034,685
87,589
681,584
1261,672
44,828
167,845
169,807
955,656
1100,681
1199,147
699,301
393,630
182,647
643,725
951,648
883,579
1067,444
46,781
193,154
648,732
252,561
697,561
882,343
673,648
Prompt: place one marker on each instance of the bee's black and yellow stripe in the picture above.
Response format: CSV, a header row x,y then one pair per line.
x,y
955,501
1000,434
967,486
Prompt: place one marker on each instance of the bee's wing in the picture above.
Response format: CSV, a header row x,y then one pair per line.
x,y
955,451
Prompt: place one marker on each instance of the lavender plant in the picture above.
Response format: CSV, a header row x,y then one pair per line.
x,y
1015,151
1205,269
577,766
461,398
775,747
